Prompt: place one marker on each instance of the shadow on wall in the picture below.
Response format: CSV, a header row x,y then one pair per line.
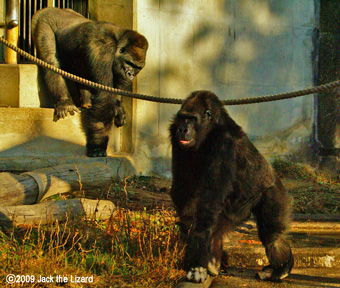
x,y
237,49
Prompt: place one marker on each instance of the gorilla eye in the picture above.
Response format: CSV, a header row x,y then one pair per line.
x,y
208,114
122,50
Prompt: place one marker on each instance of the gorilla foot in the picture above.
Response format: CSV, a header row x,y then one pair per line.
x,y
198,272
86,105
214,267
62,109
197,275
95,152
271,274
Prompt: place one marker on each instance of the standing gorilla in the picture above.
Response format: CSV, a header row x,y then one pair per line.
x,y
219,179
98,51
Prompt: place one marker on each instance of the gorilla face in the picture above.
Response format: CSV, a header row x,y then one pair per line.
x,y
130,57
193,125
186,130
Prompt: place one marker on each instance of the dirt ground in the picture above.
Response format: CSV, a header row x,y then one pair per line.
x,y
311,196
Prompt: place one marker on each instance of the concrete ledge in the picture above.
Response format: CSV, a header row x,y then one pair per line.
x,y
30,133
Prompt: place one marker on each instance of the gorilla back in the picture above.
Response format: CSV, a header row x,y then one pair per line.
x,y
98,51
219,179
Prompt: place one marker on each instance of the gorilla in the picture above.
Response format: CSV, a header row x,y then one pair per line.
x,y
98,51
219,179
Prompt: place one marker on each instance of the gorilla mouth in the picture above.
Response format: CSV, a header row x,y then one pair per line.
x,y
185,142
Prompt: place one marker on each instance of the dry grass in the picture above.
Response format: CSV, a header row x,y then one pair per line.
x,y
132,249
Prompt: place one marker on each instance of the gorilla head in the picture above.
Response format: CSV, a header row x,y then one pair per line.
x,y
130,56
196,118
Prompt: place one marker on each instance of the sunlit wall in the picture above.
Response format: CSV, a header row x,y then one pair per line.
x,y
236,49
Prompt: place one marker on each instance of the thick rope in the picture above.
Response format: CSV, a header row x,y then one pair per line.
x,y
261,99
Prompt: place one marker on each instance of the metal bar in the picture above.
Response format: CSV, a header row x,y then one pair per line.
x,y
28,30
12,29
12,13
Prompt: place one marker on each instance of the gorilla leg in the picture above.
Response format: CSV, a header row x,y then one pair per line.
x,y
204,252
96,135
273,219
215,255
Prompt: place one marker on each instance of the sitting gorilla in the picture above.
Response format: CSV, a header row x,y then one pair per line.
x,y
97,51
219,179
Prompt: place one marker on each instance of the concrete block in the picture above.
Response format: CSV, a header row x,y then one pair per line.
x,y
9,85
28,86
19,85
31,132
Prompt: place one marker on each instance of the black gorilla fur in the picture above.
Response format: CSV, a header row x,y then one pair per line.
x,y
219,179
98,51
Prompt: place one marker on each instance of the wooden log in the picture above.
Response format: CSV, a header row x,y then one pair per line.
x,y
31,187
51,211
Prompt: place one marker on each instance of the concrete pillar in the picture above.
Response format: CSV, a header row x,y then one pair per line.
x,y
12,37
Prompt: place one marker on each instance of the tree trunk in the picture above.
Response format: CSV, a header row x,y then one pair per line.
x,y
61,210
31,187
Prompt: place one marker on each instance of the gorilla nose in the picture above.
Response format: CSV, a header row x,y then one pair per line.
x,y
129,74
183,130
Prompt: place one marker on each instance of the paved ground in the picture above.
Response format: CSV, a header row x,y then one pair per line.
x,y
316,249
315,244
299,278
305,277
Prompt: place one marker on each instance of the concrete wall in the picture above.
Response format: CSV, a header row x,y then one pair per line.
x,y
236,49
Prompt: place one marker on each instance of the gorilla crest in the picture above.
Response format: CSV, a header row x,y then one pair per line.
x,y
98,51
219,179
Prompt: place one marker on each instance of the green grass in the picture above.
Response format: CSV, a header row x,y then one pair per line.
x,y
313,193
293,170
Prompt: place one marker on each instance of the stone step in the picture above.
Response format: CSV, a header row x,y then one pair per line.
x,y
314,245
29,139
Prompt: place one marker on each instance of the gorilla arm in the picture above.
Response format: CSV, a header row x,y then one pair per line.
x,y
45,24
